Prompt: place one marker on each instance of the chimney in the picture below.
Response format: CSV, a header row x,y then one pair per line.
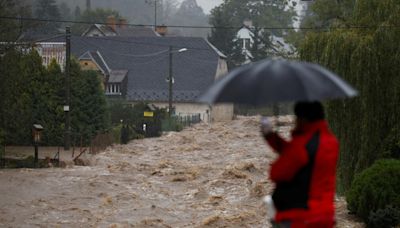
x,y
122,23
111,22
162,30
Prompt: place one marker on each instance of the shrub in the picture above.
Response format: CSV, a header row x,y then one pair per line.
x,y
374,194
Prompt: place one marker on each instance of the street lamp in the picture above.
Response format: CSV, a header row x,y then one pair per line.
x,y
171,78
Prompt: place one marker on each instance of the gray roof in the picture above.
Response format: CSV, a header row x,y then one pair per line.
x,y
105,29
147,62
37,35
117,76
135,31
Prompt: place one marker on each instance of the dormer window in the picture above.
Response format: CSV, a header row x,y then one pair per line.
x,y
116,82
113,89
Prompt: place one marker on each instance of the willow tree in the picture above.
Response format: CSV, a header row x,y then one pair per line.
x,y
365,52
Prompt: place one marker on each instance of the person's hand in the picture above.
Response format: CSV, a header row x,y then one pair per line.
x,y
266,126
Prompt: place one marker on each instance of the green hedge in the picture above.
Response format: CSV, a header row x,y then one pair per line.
x,y
374,194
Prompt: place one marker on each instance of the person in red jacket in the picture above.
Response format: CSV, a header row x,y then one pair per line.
x,y
305,171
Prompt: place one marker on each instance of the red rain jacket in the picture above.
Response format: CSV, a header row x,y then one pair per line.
x,y
305,175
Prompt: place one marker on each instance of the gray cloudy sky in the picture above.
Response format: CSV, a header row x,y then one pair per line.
x,y
207,5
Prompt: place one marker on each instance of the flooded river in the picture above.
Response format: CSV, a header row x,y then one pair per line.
x,y
205,176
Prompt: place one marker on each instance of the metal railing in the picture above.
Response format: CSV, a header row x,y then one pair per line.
x,y
189,120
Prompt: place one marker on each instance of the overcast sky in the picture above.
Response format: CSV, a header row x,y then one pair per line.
x,y
207,5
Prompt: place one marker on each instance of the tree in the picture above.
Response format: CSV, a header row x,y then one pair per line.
x,y
263,13
190,14
261,47
322,14
220,37
54,122
89,110
77,13
19,96
237,56
10,30
65,11
48,9
367,126
33,94
93,16
167,11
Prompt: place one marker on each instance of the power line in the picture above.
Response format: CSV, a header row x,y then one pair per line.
x,y
103,23
116,39
198,27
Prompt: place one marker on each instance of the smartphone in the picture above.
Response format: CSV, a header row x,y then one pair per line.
x,y
265,121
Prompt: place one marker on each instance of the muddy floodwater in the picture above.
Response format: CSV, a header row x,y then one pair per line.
x,y
205,176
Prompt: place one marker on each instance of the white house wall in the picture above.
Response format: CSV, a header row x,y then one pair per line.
x,y
222,68
245,33
222,112
51,50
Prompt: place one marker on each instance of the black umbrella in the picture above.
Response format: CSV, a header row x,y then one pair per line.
x,y
271,81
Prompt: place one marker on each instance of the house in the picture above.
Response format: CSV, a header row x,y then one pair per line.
x,y
120,28
245,37
136,69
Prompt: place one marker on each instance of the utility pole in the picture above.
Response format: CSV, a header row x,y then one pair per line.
x,y
170,82
155,15
67,88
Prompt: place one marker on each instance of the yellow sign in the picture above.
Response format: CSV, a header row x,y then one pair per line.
x,y
148,114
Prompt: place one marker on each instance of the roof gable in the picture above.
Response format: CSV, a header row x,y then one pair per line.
x,y
105,30
96,57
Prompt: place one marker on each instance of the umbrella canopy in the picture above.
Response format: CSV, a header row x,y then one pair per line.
x,y
272,81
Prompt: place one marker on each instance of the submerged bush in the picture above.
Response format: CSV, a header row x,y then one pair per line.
x,y
374,194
